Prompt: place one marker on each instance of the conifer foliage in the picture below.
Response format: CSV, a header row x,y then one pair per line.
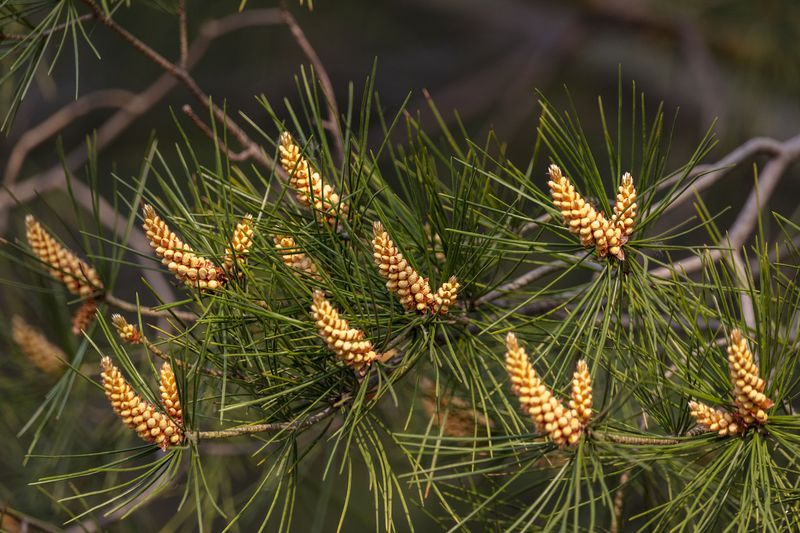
x,y
422,334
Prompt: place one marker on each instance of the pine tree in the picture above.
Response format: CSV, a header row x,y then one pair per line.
x,y
433,335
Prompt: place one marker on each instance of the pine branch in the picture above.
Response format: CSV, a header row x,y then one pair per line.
x,y
183,76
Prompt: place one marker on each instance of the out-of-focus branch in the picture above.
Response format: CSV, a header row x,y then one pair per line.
x,y
55,29
183,76
53,178
712,173
58,121
784,154
182,34
520,282
324,79
244,155
112,300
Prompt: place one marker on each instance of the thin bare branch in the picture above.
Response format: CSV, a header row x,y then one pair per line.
x,y
520,282
785,154
332,123
56,122
182,33
262,428
244,155
183,76
112,300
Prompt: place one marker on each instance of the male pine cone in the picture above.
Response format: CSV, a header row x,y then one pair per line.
x,y
446,296
712,419
581,396
413,291
127,332
178,256
40,351
593,228
562,425
169,393
292,256
748,387
347,343
84,316
63,264
241,241
310,190
143,417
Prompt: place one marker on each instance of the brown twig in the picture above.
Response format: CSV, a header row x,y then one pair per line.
x,y
519,282
55,29
332,124
275,426
244,155
36,135
112,300
182,34
183,76
784,154
633,440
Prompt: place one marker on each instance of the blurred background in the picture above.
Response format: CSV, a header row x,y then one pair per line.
x,y
735,62
731,60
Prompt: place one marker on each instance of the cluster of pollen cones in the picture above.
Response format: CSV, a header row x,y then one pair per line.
x,y
152,425
596,231
188,266
63,265
748,394
294,258
564,425
126,331
349,344
413,291
33,343
310,189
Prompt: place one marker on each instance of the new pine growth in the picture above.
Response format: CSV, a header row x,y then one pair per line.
x,y
712,419
562,425
292,256
446,296
40,351
349,344
150,424
309,187
79,278
748,387
607,237
127,332
241,242
581,395
178,257
413,291
84,316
